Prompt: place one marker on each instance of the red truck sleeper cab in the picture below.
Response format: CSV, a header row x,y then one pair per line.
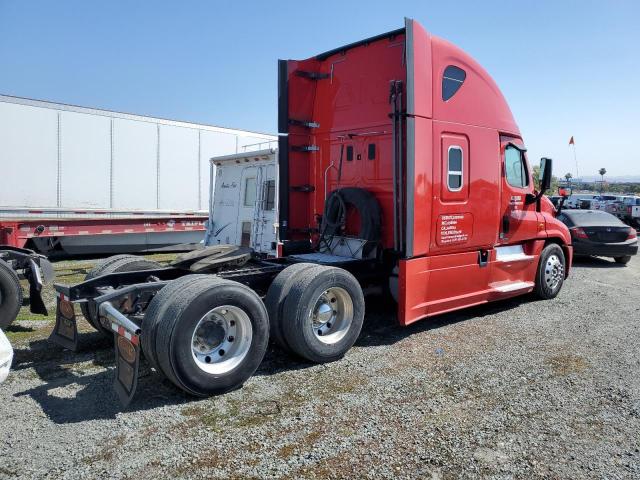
x,y
428,132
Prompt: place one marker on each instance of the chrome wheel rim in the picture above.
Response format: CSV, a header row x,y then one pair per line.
x,y
332,315
221,339
553,272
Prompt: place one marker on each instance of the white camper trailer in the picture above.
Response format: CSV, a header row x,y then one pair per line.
x,y
243,208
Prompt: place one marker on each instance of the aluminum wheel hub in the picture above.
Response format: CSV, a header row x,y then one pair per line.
x,y
221,339
553,272
332,315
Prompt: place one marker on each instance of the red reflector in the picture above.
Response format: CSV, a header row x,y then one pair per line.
x,y
578,232
126,350
66,308
632,234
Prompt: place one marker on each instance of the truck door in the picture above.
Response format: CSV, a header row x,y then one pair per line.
x,y
518,220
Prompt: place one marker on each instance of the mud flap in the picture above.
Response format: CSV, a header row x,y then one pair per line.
x,y
127,364
36,304
65,333
35,286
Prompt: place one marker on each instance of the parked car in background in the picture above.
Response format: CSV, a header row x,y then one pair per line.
x,y
600,202
631,211
576,200
617,207
594,232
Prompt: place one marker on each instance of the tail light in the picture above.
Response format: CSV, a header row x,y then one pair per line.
x,y
632,234
578,232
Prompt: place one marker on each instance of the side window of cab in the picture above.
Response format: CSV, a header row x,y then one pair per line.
x,y
515,167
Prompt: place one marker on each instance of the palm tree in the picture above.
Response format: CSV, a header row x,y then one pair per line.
x,y
602,173
568,177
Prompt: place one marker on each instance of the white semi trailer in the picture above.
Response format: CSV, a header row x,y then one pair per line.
x,y
83,180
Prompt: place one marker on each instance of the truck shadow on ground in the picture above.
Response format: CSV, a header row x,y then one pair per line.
x,y
77,386
595,262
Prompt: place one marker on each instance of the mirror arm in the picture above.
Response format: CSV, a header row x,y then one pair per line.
x,y
533,197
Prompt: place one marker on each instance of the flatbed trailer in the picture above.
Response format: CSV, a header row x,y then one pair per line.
x,y
99,232
400,169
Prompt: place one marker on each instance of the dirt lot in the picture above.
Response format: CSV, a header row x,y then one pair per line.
x,y
521,389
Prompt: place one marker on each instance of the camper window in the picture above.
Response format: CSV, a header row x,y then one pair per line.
x,y
250,192
270,195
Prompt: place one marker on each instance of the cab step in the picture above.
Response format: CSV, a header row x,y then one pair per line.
x,y
512,253
509,286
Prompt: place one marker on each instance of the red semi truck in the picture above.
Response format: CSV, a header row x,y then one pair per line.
x,y
400,168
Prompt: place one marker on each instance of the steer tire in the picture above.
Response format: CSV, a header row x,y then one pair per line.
x,y
276,296
10,294
543,288
623,260
303,301
177,321
114,264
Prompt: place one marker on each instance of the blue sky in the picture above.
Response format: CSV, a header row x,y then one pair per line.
x,y
566,68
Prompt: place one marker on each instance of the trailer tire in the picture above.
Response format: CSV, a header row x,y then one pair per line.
x,y
623,260
116,263
325,312
10,294
551,272
276,296
211,335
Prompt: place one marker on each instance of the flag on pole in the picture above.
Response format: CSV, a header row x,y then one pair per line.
x,y
571,142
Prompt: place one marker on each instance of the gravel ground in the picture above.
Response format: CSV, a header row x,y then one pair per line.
x,y
516,389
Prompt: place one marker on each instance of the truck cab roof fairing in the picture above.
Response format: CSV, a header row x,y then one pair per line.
x,y
478,102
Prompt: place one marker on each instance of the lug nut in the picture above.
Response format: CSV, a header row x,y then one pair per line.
x,y
231,338
207,359
221,352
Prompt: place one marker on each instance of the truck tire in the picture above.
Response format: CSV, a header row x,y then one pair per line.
x,y
324,314
623,260
276,296
155,311
116,263
10,294
368,208
211,334
550,273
